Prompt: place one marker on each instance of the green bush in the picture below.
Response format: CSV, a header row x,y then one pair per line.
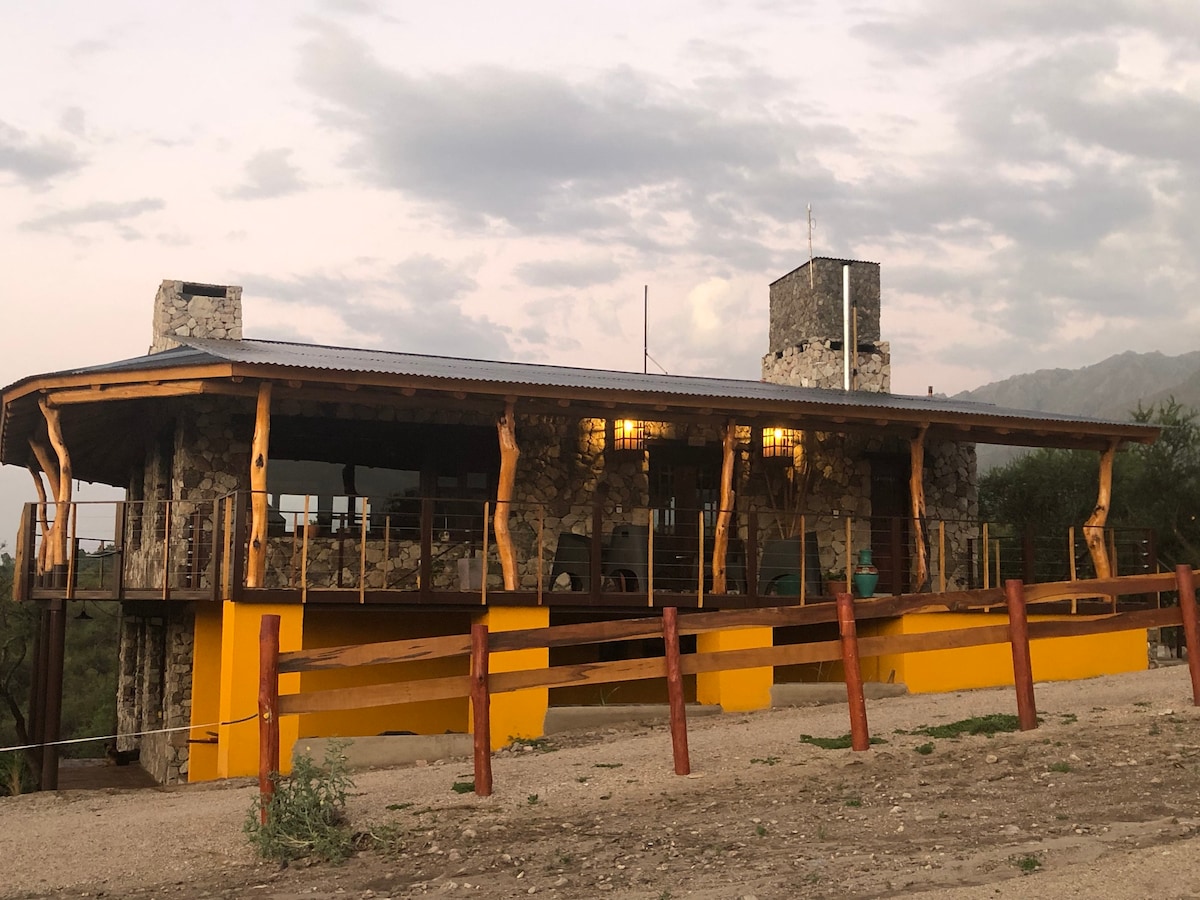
x,y
306,816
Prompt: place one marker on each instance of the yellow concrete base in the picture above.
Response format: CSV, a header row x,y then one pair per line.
x,y
237,747
1054,659
735,690
517,714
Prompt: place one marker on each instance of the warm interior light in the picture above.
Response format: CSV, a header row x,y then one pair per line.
x,y
629,434
779,443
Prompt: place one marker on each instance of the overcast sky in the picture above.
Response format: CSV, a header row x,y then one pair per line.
x,y
501,179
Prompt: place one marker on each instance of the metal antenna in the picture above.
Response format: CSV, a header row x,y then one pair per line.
x,y
645,326
810,250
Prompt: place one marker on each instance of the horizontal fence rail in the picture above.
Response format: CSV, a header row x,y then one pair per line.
x,y
849,648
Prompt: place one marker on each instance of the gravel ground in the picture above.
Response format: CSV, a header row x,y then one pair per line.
x,y
1101,801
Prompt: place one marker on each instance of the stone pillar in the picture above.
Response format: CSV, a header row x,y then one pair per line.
x,y
518,713
736,690
184,309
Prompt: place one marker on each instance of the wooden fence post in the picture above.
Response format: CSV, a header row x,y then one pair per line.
x,y
268,711
679,737
860,736
481,710
1018,635
1191,627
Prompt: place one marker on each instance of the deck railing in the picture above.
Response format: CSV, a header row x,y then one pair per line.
x,y
347,549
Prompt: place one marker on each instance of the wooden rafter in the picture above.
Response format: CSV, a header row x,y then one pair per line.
x,y
721,536
1093,528
509,453
256,560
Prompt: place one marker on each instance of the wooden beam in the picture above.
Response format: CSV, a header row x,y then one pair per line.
x,y
509,453
57,555
721,536
256,569
920,573
1093,528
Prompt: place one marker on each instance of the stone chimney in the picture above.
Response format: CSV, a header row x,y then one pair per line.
x,y
806,333
183,309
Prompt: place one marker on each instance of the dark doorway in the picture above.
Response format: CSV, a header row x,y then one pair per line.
x,y
685,481
890,527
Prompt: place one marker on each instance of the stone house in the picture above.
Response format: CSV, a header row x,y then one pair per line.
x,y
370,495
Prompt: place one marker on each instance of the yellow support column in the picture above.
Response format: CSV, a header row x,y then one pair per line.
x,y
736,690
237,746
206,692
518,713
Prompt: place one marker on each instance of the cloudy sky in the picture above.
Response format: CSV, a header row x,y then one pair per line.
x,y
501,179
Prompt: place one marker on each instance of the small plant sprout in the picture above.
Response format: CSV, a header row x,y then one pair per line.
x,y
532,799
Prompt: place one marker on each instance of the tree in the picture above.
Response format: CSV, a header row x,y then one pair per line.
x,y
1155,486
17,629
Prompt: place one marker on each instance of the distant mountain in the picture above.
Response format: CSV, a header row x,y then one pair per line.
x,y
1110,389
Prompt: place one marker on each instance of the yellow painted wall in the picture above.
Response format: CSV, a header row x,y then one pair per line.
x,y
336,627
237,752
1054,659
518,713
206,691
735,690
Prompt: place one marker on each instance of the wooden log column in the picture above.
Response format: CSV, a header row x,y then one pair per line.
x,y
509,453
721,536
256,562
1093,528
58,473
920,574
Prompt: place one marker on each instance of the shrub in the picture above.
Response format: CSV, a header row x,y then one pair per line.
x,y
306,816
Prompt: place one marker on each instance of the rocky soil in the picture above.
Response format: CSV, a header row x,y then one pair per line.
x,y
1101,801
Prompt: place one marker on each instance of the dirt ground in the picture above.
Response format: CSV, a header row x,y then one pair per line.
x,y
1101,801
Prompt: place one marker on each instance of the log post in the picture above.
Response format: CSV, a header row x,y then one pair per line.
x,y
679,736
509,453
1018,635
920,574
1191,625
52,695
268,712
481,717
860,735
256,564
721,535
43,548
1093,528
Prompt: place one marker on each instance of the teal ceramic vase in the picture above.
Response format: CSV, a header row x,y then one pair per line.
x,y
865,576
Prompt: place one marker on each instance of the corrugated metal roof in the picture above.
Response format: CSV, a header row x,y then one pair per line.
x,y
381,362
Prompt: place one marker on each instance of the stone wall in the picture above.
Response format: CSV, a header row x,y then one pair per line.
x,y
154,690
183,309
801,313
816,364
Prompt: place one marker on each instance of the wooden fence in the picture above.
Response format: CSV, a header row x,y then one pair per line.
x,y
480,684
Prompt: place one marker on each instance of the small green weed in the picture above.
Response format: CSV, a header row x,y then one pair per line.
x,y
1069,718
989,725
924,749
766,761
608,765
853,801
1028,863
582,779
1142,703
837,743
532,799
306,816
1061,766
760,830
396,807
463,787
1154,729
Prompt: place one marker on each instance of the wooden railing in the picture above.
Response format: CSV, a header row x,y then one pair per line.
x,y
480,684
